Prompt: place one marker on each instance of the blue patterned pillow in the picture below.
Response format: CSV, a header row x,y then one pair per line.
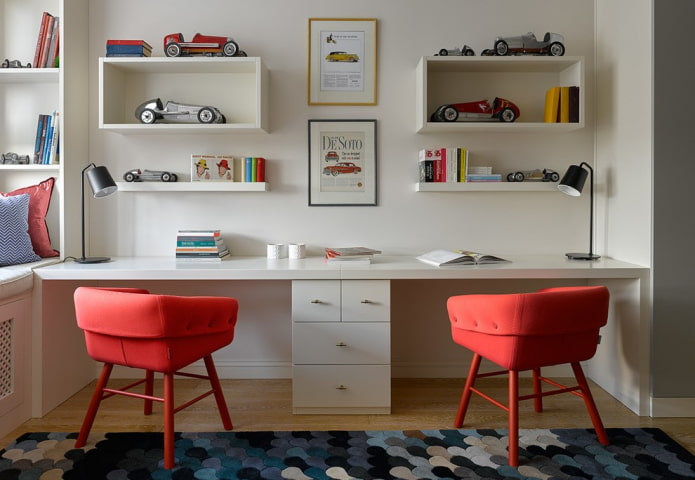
x,y
15,243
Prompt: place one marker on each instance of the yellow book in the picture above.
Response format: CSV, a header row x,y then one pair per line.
x,y
552,103
564,104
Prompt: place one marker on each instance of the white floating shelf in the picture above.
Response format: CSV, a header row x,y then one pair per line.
x,y
193,186
486,187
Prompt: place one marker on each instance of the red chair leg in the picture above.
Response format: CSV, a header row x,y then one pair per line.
x,y
590,404
149,391
97,396
466,395
169,459
217,390
537,391
513,418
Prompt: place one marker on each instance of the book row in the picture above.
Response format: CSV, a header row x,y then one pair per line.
x,y
128,48
227,168
47,143
561,105
47,42
450,164
200,245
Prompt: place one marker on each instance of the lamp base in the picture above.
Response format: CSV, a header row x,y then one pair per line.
x,y
582,256
93,259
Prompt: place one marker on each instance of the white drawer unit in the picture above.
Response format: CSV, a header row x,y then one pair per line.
x,y
341,346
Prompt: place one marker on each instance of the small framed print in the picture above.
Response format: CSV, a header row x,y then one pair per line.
x,y
342,163
342,61
212,168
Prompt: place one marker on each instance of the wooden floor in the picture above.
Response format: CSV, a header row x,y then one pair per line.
x,y
416,404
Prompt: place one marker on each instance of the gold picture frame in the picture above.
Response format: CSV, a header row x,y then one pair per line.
x,y
342,61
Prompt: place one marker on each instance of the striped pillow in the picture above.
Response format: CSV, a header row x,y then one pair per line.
x,y
15,243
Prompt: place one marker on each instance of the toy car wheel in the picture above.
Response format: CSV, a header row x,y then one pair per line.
x,y
501,48
556,49
443,52
174,177
450,114
148,116
554,177
173,50
468,52
518,177
129,177
230,49
206,115
166,177
507,115
6,63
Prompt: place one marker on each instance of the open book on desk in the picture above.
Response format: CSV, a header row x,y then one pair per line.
x,y
439,258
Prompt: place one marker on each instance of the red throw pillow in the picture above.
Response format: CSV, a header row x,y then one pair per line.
x,y
39,201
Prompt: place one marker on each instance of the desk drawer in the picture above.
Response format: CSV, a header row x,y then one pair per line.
x,y
366,301
342,386
341,343
316,300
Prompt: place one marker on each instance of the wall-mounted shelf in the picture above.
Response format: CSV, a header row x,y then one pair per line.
x,y
520,79
193,186
31,167
29,75
486,187
237,86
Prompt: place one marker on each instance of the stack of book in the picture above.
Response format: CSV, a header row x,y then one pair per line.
x,y
128,48
46,151
561,105
46,54
200,246
482,174
443,164
350,255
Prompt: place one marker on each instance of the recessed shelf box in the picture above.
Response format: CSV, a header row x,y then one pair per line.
x,y
520,79
236,86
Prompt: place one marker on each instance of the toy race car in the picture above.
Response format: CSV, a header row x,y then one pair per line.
x,y
341,167
14,64
538,175
208,45
138,175
11,158
152,110
527,44
466,51
480,111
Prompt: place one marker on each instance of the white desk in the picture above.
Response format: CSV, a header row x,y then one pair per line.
x,y
417,295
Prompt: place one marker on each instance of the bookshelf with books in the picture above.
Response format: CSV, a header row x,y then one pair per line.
x,y
56,82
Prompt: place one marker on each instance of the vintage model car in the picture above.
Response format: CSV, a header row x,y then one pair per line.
x,y
545,175
14,64
153,110
466,51
480,111
341,167
552,44
11,158
209,45
342,57
138,175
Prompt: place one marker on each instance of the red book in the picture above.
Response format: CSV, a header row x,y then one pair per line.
x,y
260,169
40,38
45,46
129,42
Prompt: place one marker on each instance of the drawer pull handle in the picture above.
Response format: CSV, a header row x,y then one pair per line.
x,y
341,387
366,301
341,344
316,301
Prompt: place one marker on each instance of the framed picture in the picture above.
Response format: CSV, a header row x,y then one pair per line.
x,y
342,162
342,61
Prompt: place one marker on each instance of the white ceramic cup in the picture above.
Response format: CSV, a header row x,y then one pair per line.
x,y
297,250
276,250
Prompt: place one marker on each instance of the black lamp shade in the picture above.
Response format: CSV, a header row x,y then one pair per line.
x,y
573,181
101,182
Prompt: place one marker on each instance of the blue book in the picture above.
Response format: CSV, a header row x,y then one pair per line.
x,y
39,132
249,169
135,49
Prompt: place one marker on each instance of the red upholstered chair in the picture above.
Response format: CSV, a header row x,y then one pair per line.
x,y
527,331
158,333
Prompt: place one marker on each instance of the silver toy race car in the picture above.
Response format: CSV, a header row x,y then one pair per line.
x,y
152,110
466,51
138,175
14,64
527,44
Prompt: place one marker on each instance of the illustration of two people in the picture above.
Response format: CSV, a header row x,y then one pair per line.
x,y
224,170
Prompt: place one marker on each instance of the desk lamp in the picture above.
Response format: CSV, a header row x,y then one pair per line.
x,y
572,184
102,184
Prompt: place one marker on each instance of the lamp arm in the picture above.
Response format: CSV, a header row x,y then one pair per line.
x,y
82,187
591,209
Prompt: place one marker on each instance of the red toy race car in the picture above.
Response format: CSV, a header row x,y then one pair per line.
x,y
209,45
500,109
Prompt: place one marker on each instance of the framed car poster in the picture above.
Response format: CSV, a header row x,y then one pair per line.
x,y
342,163
342,61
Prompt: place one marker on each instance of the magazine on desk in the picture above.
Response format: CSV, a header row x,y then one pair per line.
x,y
440,258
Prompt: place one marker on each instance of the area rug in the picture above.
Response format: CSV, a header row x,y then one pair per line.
x,y
413,454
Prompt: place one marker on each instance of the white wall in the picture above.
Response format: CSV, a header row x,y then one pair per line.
x,y
404,222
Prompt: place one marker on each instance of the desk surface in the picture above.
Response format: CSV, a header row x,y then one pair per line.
x,y
382,267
